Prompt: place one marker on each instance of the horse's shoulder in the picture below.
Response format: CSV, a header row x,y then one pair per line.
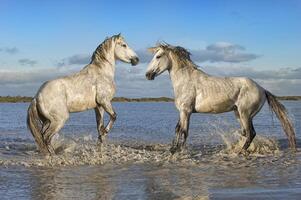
x,y
239,79
52,82
248,81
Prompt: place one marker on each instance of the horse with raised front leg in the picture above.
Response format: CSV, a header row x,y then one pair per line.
x,y
92,87
198,92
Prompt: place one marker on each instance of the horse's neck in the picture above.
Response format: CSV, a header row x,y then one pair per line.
x,y
180,75
99,70
106,67
186,78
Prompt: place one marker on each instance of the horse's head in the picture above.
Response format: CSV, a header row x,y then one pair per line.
x,y
159,63
123,52
167,57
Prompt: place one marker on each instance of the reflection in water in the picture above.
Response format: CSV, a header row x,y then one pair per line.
x,y
80,182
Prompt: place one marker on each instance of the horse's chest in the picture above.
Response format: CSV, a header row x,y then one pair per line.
x,y
105,90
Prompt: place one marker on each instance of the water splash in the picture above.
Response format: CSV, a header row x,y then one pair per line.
x,y
86,151
261,146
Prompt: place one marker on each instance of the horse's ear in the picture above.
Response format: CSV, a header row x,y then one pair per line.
x,y
119,34
152,49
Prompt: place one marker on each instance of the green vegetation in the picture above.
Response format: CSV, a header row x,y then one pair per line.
x,y
292,98
10,99
15,99
158,99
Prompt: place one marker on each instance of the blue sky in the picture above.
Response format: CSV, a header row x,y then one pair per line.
x,y
37,35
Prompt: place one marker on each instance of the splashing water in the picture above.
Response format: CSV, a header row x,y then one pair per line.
x,y
261,146
86,151
136,161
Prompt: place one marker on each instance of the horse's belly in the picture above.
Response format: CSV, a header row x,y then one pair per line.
x,y
78,105
214,105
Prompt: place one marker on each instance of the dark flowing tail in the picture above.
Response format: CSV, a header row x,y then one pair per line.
x,y
34,125
285,121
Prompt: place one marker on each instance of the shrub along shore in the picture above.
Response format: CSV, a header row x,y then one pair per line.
x,y
16,99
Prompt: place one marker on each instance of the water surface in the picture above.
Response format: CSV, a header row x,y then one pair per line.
x,y
136,163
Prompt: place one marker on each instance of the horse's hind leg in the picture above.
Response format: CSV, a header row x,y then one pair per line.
x,y
248,128
53,128
243,133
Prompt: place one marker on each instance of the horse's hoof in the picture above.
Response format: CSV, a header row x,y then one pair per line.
x,y
50,150
244,152
102,138
173,149
243,133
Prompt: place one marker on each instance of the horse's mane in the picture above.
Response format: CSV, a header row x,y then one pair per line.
x,y
99,54
181,55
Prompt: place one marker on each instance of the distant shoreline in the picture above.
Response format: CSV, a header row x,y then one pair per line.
x,y
20,99
23,99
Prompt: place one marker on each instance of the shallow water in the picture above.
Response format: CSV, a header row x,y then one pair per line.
x,y
136,163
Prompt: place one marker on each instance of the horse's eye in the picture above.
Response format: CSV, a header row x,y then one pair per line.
x,y
124,45
158,57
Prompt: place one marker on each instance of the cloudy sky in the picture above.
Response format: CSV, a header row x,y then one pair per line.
x,y
42,40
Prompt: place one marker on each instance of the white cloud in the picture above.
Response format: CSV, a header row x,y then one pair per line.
x,y
217,52
131,82
223,52
26,61
9,50
78,59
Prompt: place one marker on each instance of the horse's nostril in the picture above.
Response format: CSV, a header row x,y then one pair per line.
x,y
147,75
150,75
134,61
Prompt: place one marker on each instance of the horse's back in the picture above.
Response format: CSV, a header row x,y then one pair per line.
x,y
71,93
222,94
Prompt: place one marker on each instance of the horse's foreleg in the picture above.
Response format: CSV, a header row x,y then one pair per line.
x,y
175,141
99,113
109,109
181,131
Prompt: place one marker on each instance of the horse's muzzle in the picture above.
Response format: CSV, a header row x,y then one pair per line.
x,y
150,75
134,61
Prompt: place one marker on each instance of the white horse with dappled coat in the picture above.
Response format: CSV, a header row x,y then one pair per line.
x,y
92,87
198,92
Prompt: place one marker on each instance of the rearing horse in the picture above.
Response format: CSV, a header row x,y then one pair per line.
x,y
198,92
92,87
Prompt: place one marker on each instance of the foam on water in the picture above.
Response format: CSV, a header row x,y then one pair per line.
x,y
85,151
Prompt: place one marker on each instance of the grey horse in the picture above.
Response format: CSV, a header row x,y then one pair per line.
x,y
198,92
92,87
